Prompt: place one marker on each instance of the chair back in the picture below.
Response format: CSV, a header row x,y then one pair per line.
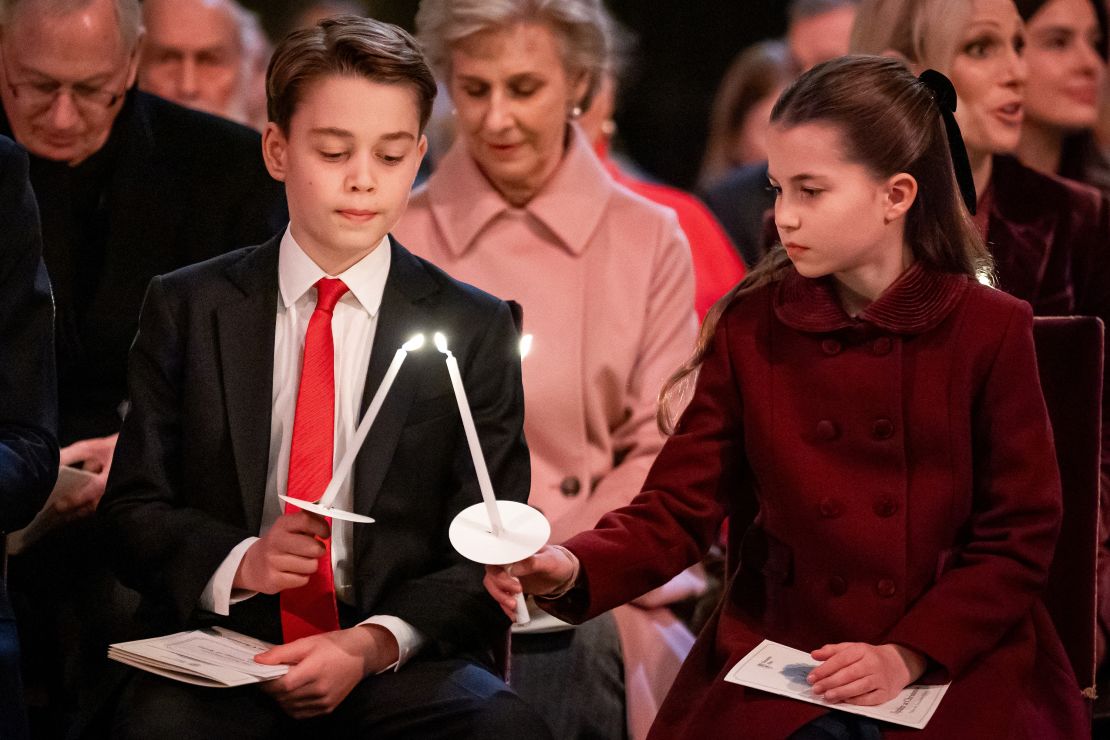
x,y
1070,361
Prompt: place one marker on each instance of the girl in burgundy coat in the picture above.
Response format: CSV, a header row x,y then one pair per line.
x,y
869,416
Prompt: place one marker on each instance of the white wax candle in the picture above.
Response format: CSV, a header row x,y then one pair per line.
x,y
484,482
347,463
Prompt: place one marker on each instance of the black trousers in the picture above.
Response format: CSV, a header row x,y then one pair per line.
x,y
425,699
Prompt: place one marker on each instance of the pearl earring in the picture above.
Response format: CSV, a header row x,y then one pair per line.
x,y
576,112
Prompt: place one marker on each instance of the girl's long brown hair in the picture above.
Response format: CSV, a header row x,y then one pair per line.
x,y
888,121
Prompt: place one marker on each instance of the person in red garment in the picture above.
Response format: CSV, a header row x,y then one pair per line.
x,y
869,416
717,264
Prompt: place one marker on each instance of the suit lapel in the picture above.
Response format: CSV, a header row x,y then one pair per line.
x,y
246,352
399,318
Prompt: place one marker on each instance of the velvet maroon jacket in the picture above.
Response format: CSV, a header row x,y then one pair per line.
x,y
894,480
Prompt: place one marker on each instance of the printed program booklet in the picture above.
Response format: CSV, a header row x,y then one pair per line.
x,y
782,670
216,657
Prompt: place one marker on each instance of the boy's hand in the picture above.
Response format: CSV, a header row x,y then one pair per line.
x,y
285,556
859,673
548,571
326,667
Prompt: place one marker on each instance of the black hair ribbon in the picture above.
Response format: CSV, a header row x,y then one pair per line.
x,y
945,96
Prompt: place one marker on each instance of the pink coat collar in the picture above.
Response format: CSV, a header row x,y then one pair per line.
x,y
570,205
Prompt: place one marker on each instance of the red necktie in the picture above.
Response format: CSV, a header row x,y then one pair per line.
x,y
310,609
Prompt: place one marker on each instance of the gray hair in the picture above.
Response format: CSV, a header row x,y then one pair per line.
x,y
583,27
128,13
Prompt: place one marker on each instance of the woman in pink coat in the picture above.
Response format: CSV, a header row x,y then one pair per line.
x,y
521,207
871,415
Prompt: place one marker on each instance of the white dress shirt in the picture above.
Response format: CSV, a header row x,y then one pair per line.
x,y
353,324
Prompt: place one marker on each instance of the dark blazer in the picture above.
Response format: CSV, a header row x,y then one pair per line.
x,y
740,201
28,402
895,478
182,186
189,475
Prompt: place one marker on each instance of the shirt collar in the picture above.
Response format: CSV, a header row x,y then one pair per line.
x,y
570,204
916,302
365,279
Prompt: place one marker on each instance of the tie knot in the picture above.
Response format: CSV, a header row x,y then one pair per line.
x,y
328,293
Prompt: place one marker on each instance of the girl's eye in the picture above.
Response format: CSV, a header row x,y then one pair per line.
x,y
475,91
332,156
388,159
774,189
810,192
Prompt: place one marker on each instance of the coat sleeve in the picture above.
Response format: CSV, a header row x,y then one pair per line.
x,y
700,475
162,548
1016,509
449,605
668,328
28,387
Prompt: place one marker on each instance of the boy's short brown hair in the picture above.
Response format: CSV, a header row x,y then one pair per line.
x,y
345,45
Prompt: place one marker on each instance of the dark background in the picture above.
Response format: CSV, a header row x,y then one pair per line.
x,y
683,50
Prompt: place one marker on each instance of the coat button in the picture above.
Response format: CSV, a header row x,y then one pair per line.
x,y
881,346
830,347
827,430
838,586
570,486
886,588
882,429
886,507
829,508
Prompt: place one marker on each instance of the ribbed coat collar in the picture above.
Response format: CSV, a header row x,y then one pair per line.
x,y
916,302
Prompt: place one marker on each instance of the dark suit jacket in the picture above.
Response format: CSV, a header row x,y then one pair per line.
x,y
189,475
182,186
28,407
740,201
28,401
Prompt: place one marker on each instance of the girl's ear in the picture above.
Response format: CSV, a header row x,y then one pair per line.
x,y
901,192
274,147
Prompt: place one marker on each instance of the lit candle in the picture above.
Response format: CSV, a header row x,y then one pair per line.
x,y
348,462
484,482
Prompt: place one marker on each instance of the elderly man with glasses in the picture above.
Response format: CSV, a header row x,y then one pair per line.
x,y
129,186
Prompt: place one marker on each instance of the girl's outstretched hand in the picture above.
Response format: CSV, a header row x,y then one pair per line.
x,y
548,571
859,673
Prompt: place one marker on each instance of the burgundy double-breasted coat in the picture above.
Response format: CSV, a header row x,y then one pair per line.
x,y
889,478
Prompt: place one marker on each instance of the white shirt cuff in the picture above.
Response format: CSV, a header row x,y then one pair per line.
x,y
218,595
409,640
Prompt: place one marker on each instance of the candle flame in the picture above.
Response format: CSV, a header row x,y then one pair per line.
x,y
525,345
413,344
441,342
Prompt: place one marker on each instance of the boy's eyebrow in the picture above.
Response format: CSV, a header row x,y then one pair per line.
x,y
332,131
345,134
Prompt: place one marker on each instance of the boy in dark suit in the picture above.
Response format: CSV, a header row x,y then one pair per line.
x,y
248,376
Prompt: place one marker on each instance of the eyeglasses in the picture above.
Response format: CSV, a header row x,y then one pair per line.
x,y
39,95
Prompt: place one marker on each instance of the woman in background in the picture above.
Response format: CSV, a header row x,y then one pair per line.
x,y
1065,55
520,206
742,109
